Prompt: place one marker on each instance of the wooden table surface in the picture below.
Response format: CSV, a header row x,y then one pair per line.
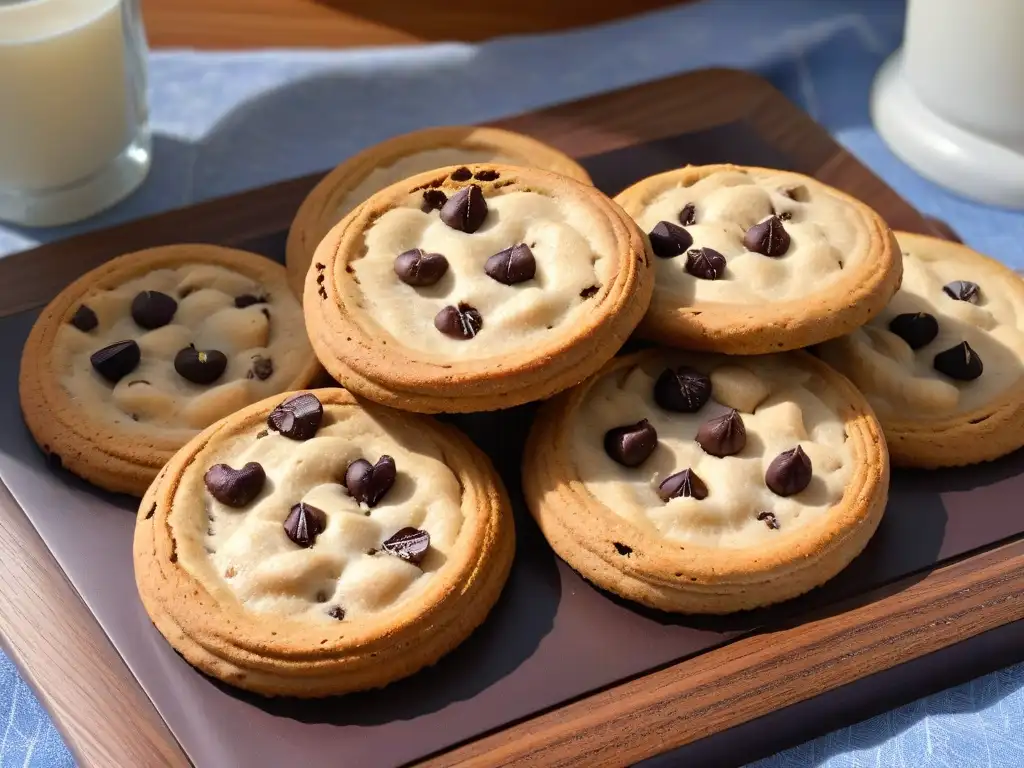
x,y
227,24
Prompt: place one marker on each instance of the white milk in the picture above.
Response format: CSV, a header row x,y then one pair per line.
x,y
71,102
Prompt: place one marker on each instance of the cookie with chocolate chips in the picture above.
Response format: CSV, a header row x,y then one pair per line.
x,y
943,364
511,285
346,187
755,260
130,361
703,483
320,561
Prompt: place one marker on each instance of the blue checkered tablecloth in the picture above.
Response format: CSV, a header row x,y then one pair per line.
x,y
230,121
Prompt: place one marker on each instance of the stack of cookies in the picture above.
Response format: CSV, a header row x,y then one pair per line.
x,y
297,537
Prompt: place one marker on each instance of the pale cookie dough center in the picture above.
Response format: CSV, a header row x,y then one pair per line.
x,y
826,235
154,399
573,245
245,552
411,165
899,381
787,412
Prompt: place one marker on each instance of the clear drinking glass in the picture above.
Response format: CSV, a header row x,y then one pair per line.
x,y
74,127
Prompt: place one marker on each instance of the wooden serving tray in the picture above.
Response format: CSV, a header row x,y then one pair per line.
x,y
561,673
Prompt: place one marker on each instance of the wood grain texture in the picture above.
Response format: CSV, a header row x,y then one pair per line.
x,y
109,722
96,704
227,24
763,673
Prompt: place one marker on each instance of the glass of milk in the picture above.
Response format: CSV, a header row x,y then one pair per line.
x,y
74,130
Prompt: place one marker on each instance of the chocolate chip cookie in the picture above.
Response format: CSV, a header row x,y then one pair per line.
x,y
313,545
943,364
131,360
752,260
381,165
474,288
702,483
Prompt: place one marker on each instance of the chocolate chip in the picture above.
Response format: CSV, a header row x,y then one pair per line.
x,y
512,265
668,240
962,290
683,484
116,360
705,263
84,319
769,519
589,291
960,362
466,210
247,300
768,237
369,483
916,328
297,417
320,267
409,544
433,200
631,444
235,487
200,366
683,390
461,322
152,309
419,268
688,216
486,175
723,436
461,174
304,523
262,369
337,612
789,473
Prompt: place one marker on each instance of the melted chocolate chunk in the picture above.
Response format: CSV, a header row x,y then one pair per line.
x,y
461,174
960,362
304,523
688,215
486,175
512,265
337,612
235,487
683,390
369,483
705,263
247,300
918,329
84,319
769,519
465,210
631,444
589,291
409,544
789,473
683,484
418,268
116,360
297,417
723,436
461,322
669,240
768,237
262,369
963,290
153,309
200,366
433,200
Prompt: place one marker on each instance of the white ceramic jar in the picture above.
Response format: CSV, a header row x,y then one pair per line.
x,y
951,101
